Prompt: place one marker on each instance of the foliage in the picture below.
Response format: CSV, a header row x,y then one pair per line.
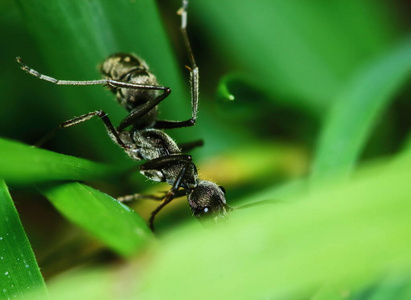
x,y
311,123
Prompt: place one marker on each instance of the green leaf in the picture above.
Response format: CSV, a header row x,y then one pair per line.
x,y
23,164
284,251
357,110
20,275
392,286
113,223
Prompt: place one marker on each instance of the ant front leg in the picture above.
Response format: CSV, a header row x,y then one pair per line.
x,y
171,194
136,114
154,169
138,196
81,119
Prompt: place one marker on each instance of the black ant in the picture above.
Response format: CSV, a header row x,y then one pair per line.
x,y
138,91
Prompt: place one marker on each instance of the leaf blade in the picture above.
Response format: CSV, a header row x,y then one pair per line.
x,y
350,122
22,164
19,272
116,225
286,251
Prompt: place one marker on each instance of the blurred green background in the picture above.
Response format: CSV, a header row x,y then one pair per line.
x,y
292,93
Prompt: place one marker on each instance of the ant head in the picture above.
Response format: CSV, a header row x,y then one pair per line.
x,y
207,201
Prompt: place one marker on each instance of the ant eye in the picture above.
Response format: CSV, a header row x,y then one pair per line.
x,y
222,189
203,212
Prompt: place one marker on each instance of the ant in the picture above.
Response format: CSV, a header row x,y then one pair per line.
x,y
138,91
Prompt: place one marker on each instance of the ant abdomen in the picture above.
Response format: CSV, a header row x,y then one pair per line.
x,y
121,66
131,69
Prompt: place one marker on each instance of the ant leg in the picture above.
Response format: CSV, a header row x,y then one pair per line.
x,y
173,124
143,109
165,161
186,147
194,73
171,194
194,78
133,116
110,82
101,114
133,197
137,196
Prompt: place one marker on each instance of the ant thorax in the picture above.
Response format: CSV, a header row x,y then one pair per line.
x,y
150,144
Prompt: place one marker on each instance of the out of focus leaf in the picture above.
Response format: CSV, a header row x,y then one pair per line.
x,y
391,286
356,111
278,251
266,162
299,51
295,246
245,104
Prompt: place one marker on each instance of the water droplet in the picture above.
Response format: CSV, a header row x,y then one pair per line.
x,y
1,257
1,238
27,266
7,273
